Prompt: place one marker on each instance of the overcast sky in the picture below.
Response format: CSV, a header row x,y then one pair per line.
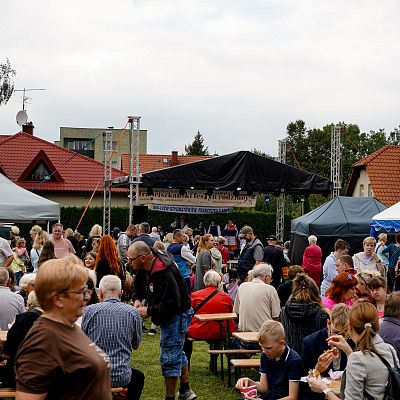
x,y
238,71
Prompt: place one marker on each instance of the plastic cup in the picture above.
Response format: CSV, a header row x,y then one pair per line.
x,y
249,391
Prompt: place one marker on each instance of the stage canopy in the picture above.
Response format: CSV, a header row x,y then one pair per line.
x,y
389,220
20,205
343,217
240,171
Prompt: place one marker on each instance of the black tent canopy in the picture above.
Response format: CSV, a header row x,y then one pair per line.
x,y
242,170
343,217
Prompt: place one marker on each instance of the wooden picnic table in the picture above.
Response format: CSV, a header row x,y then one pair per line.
x,y
221,318
247,337
216,317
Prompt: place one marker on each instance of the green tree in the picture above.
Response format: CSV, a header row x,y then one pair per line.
x,y
6,82
196,148
262,153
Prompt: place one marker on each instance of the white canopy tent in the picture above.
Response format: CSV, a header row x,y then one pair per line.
x,y
388,219
20,205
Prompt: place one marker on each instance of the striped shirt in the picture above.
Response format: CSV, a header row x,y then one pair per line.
x,y
115,327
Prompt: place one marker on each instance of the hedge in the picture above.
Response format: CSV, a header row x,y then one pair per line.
x,y
263,223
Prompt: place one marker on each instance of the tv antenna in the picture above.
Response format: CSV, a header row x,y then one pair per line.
x,y
25,98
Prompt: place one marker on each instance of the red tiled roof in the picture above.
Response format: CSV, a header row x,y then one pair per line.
x,y
75,172
152,162
383,169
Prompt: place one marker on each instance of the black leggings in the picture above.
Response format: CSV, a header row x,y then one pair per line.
x,y
135,386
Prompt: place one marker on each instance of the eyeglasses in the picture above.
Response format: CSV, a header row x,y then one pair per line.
x,y
134,258
82,291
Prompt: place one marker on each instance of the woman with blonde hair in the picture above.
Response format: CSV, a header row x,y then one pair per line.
x,y
34,231
303,313
40,238
366,373
204,260
57,360
95,232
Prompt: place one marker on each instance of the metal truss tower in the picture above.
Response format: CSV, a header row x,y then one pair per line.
x,y
280,205
107,146
336,160
134,165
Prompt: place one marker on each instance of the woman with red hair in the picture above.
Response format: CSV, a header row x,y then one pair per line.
x,y
341,290
107,261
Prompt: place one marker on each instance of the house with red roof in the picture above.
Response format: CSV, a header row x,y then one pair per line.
x,y
377,175
54,172
152,162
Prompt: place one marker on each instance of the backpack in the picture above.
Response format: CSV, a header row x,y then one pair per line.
x,y
392,391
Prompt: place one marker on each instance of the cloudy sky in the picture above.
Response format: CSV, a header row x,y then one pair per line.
x,y
238,71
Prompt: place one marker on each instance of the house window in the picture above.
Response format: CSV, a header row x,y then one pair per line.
x,y
361,193
114,143
80,144
369,190
114,164
40,173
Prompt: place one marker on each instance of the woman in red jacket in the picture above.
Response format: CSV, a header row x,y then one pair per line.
x,y
312,263
210,300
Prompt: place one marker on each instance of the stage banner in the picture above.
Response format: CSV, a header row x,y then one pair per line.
x,y
190,209
196,198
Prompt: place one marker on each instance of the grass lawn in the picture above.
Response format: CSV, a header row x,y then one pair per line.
x,y
205,385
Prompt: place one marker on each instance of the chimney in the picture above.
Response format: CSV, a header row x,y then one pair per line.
x,y
174,158
28,128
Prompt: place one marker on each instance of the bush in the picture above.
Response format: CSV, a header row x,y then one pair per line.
x,y
263,223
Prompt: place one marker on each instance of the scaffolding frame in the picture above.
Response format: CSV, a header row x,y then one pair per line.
x,y
107,151
280,204
134,164
336,160
133,180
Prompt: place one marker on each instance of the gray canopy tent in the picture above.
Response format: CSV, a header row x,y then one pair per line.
x,y
343,217
20,205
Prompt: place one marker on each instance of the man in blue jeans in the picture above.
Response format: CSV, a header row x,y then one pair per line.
x,y
170,308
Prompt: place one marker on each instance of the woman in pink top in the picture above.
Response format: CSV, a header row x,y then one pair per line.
x,y
378,288
340,291
312,263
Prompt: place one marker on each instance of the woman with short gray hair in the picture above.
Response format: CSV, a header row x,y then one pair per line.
x,y
26,284
209,300
312,260
212,278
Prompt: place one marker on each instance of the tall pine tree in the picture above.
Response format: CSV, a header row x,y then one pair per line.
x,y
196,148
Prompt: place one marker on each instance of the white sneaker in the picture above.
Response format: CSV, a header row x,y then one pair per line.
x,y
188,395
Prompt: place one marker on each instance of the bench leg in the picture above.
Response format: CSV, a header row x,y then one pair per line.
x,y
222,367
229,370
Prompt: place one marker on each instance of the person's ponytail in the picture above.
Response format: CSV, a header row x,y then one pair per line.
x,y
364,320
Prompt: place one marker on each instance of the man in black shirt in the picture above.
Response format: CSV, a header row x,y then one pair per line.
x,y
274,255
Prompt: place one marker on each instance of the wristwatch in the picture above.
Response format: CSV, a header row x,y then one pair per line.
x,y
326,391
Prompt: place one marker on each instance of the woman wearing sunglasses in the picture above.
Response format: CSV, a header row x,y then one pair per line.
x,y
57,360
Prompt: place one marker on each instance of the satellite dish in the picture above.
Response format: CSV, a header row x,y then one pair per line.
x,y
22,117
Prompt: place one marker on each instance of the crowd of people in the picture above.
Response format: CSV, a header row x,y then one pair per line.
x,y
94,295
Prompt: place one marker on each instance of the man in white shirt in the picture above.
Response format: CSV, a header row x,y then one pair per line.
x,y
6,255
11,304
257,301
